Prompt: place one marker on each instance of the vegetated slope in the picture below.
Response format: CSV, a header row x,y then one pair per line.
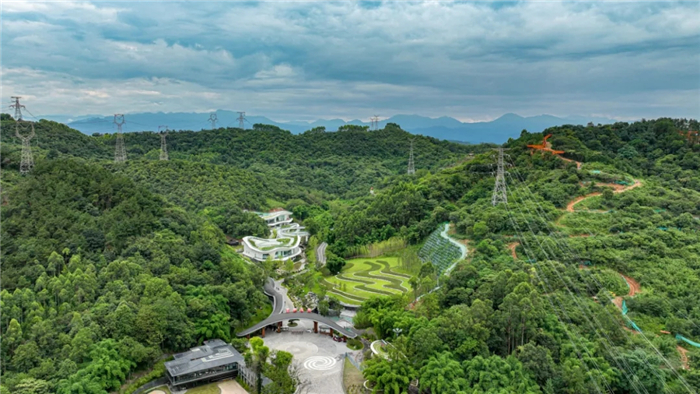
x,y
343,164
100,277
519,321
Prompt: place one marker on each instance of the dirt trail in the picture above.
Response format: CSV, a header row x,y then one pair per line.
x,y
684,356
616,189
512,247
578,163
634,288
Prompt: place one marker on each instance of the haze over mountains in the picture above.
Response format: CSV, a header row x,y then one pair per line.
x,y
447,128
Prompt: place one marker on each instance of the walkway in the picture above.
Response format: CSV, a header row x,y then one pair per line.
x,y
280,303
461,247
321,254
280,317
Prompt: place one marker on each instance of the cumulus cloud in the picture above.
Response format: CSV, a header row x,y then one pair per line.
x,y
301,60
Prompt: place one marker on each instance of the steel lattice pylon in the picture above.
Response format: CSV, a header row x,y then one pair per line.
x,y
411,167
499,189
119,149
163,145
27,162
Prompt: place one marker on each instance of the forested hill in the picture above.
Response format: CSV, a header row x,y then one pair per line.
x,y
340,164
107,266
100,277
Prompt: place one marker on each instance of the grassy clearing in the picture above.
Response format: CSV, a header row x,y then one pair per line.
x,y
161,388
352,377
364,278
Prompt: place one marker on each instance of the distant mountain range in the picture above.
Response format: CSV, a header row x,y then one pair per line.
x,y
497,131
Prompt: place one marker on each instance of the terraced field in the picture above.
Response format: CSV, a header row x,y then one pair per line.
x,y
364,278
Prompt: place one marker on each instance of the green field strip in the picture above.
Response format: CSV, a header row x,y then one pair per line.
x,y
349,279
348,297
378,284
394,284
371,290
387,270
359,289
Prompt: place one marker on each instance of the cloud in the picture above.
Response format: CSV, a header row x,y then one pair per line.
x,y
301,60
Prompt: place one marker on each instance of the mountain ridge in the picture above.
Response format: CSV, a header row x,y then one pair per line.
x,y
499,130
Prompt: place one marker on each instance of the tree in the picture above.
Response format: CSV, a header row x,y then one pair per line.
x,y
33,386
256,358
334,263
393,377
442,375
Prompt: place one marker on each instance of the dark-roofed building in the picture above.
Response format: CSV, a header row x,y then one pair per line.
x,y
215,360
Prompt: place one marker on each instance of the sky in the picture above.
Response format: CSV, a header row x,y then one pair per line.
x,y
351,60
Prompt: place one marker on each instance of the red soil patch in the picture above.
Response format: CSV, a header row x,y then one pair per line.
x,y
578,163
634,286
616,189
634,289
512,247
684,356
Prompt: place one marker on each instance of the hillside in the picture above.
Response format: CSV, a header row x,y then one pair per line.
x,y
101,276
130,259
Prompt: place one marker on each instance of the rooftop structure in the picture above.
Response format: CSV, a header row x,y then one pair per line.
x,y
276,217
212,361
285,246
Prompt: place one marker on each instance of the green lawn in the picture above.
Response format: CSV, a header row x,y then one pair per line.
x,y
160,388
352,377
211,388
365,277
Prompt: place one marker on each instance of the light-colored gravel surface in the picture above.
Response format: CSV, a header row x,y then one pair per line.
x,y
231,387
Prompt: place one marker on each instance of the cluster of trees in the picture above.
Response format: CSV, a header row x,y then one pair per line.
x,y
106,267
101,277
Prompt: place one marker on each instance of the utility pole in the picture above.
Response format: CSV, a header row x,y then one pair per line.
x,y
120,149
27,162
163,130
411,167
241,120
213,118
376,122
499,189
18,107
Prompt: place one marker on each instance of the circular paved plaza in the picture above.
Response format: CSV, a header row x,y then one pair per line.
x,y
318,357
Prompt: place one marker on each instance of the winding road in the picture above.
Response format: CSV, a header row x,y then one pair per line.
x,y
321,253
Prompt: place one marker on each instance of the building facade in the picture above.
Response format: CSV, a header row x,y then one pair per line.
x,y
214,360
286,244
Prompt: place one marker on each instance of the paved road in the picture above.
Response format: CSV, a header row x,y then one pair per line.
x,y
321,253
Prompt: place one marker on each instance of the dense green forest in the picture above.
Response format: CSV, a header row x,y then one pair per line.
x,y
130,262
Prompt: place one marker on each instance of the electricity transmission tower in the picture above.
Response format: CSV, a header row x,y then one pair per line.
x,y
499,189
241,120
375,122
27,162
163,130
411,167
120,149
213,118
18,107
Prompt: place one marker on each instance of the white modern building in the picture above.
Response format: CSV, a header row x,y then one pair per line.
x,y
286,244
276,217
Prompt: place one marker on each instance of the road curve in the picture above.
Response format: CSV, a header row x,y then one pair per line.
x,y
321,253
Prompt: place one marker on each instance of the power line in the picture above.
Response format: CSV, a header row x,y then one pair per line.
x,y
163,130
241,120
558,243
499,189
411,166
18,107
119,149
213,119
27,161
